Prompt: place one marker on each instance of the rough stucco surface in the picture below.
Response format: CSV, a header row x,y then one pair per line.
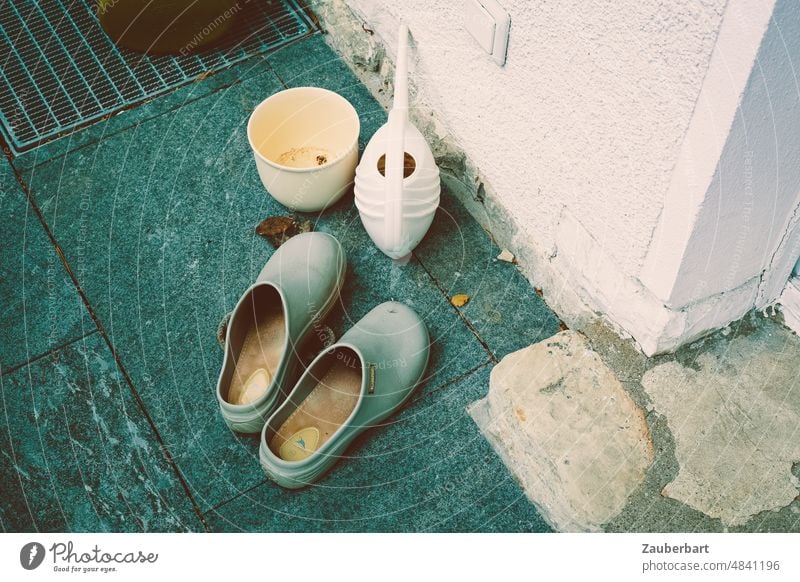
x,y
755,191
734,413
567,429
588,113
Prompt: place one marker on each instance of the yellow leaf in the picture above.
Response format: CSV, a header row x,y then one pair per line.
x,y
460,300
506,256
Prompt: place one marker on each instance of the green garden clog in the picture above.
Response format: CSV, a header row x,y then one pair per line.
x,y
297,287
353,385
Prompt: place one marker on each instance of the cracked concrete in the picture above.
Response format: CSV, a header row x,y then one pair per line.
x,y
574,439
735,417
723,415
752,362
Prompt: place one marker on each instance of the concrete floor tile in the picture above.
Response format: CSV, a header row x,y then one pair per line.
x,y
41,308
78,453
722,413
157,224
734,415
566,428
427,469
311,62
503,308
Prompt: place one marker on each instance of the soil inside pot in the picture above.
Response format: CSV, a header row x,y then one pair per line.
x,y
307,157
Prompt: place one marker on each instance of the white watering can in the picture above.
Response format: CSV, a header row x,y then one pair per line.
x,y
397,183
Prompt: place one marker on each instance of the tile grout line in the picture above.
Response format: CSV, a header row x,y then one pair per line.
x,y
235,497
458,311
274,72
115,355
49,352
453,381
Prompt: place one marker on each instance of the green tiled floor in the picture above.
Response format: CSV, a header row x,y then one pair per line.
x,y
428,469
46,310
79,453
154,211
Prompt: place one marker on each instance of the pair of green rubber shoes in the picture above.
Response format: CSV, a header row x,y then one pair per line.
x,y
351,386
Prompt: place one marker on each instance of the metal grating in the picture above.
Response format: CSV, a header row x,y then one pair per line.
x,y
59,70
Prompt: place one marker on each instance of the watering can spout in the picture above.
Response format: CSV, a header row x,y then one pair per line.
x,y
401,72
395,153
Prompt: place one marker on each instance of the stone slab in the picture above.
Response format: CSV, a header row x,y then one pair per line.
x,y
734,412
77,453
569,432
40,309
427,469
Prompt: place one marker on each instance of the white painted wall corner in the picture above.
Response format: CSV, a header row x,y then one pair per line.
x,y
626,248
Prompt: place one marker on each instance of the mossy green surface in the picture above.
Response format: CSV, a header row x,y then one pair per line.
x,y
156,220
78,452
41,309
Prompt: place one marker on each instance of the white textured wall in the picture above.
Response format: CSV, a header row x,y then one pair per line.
x,y
589,112
753,201
731,211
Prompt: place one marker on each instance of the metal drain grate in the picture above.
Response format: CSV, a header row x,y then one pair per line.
x,y
59,70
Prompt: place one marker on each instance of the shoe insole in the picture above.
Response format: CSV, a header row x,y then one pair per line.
x,y
258,359
323,411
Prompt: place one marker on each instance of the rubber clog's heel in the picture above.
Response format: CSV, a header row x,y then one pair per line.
x,y
356,383
257,373
252,426
251,419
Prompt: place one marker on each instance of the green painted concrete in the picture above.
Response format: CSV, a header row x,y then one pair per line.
x,y
41,309
78,453
155,215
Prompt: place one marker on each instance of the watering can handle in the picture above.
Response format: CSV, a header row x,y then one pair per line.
x,y
395,151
